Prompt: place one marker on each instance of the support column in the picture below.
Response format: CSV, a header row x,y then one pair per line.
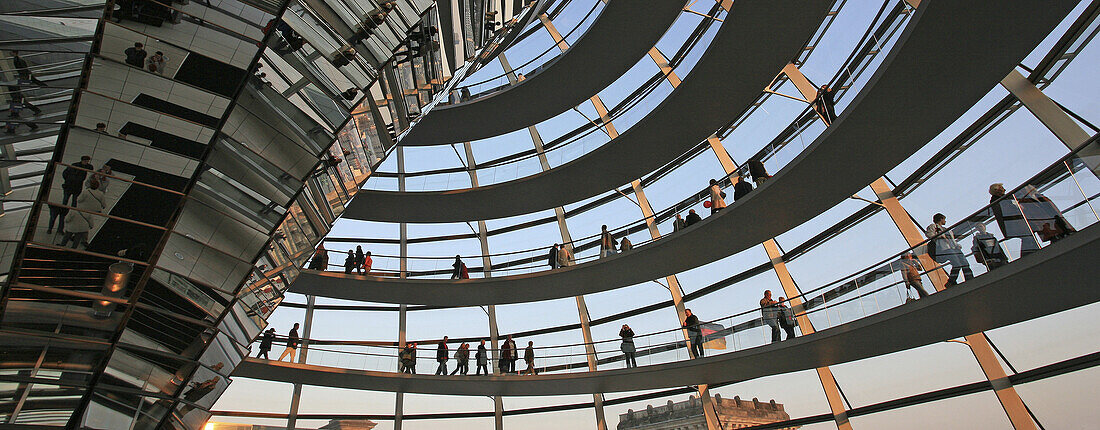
x,y
1010,400
567,239
487,264
402,272
825,375
1053,117
295,399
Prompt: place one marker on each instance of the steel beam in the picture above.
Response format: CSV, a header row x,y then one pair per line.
x,y
1053,117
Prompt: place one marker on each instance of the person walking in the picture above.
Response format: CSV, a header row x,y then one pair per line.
x,y
987,250
441,356
23,70
460,271
758,172
947,249
628,347
135,55
910,274
693,218
769,312
407,359
349,263
78,223
291,344
368,262
678,224
1011,219
529,358
607,242
462,359
565,256
625,245
359,259
695,332
786,317
552,257
741,189
482,358
505,356
157,63
265,343
717,197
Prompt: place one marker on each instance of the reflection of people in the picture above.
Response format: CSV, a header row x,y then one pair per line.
x,y
947,249
320,258
987,250
135,55
695,332
1043,216
73,179
101,128
23,70
769,313
1010,219
79,222
910,273
627,346
291,344
103,176
158,62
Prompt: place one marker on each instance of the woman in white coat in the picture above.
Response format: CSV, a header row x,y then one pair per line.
x,y
78,222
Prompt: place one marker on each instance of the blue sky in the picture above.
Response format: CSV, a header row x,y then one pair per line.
x,y
1012,152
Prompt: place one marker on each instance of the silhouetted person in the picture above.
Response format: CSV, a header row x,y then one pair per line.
x,y
320,258
265,343
607,243
625,245
692,218
565,257
1011,220
529,358
349,262
678,224
505,364
1043,216
758,172
460,271
825,102
947,249
695,332
717,197
135,55
359,259
367,264
628,348
16,104
407,358
291,344
987,250
552,257
769,312
741,189
73,180
462,359
441,356
910,274
786,317
482,358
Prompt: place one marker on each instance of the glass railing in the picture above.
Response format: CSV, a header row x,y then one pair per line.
x,y
1053,205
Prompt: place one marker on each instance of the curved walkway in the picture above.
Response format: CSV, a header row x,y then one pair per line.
x,y
733,71
619,37
1041,284
902,108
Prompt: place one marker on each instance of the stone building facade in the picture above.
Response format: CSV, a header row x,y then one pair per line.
x,y
688,415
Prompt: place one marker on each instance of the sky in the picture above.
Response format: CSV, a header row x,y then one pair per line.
x,y
1016,149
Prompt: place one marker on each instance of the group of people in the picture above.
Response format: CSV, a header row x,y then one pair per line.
x,y
357,261
136,56
777,315
292,342
509,354
85,193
